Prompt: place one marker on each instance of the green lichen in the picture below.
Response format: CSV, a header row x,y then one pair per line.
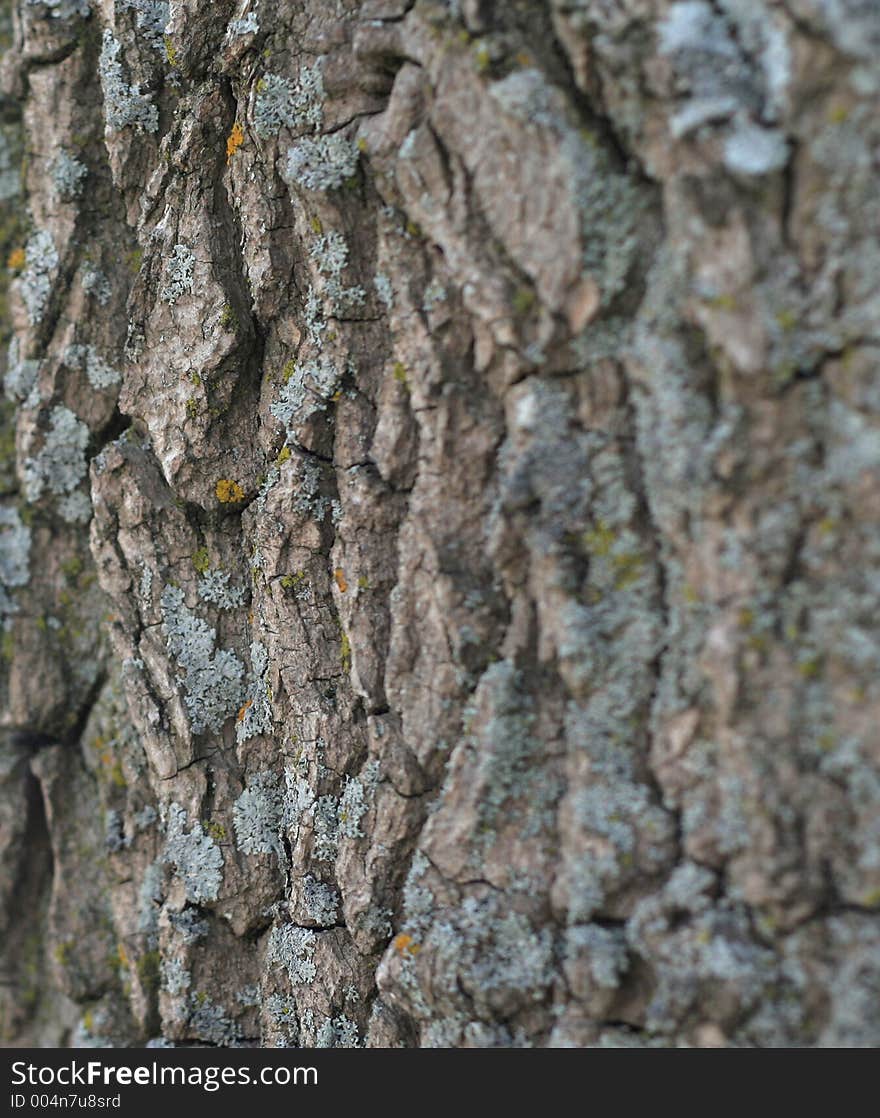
x,y
524,300
148,971
201,560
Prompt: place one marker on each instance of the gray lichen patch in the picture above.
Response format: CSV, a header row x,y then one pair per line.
x,y
213,677
258,814
60,465
324,163
41,266
501,390
179,273
124,104
280,103
15,553
293,948
255,717
100,374
196,857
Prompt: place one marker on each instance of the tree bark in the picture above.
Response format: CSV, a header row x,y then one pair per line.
x,y
439,525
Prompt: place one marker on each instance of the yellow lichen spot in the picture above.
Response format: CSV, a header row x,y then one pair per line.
x,y
234,141
398,371
362,145
345,652
339,578
723,302
217,831
201,560
170,51
192,408
405,945
746,618
627,569
767,923
62,953
288,371
809,668
690,594
599,540
482,58
229,492
827,526
871,899
363,583
17,260
524,300
413,229
317,225
838,114
787,319
704,936
241,714
283,456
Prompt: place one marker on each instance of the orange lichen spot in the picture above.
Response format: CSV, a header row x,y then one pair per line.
x,y
339,576
234,141
241,714
404,945
229,492
17,260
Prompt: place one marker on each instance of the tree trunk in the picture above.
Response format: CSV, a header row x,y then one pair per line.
x,y
439,553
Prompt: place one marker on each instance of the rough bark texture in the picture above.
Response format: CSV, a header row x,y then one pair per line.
x,y
440,557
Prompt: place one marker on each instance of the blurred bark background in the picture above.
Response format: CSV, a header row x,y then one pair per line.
x,y
439,552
